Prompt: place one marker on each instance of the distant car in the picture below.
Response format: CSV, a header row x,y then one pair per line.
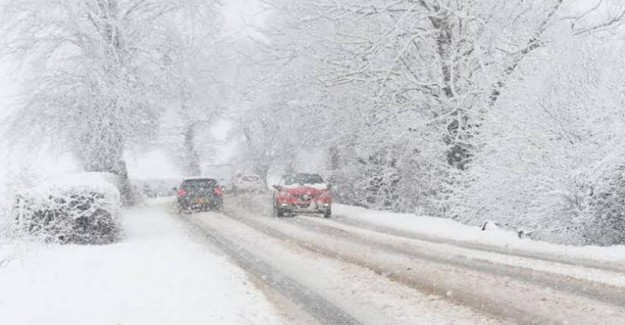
x,y
302,193
199,194
248,183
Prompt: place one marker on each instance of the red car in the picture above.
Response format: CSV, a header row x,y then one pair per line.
x,y
302,193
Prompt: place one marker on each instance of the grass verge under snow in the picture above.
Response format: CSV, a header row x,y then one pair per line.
x,y
157,275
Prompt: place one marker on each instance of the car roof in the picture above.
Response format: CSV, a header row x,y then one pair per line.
x,y
199,179
301,174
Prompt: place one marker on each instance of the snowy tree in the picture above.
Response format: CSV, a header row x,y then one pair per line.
x,y
553,154
99,74
201,72
392,82
401,92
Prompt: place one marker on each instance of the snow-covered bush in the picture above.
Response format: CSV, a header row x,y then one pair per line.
x,y
606,208
81,209
552,158
399,178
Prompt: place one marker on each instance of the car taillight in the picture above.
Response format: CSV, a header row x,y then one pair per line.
x,y
182,193
219,191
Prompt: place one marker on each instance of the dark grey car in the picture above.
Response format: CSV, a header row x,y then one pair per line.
x,y
199,194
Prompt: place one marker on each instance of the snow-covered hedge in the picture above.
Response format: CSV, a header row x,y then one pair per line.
x,y
80,208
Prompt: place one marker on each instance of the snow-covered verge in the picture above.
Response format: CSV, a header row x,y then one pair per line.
x,y
156,275
447,229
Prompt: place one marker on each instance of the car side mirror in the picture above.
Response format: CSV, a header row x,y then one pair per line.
x,y
175,189
329,186
277,187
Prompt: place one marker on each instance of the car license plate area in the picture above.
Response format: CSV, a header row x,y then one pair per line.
x,y
201,201
306,207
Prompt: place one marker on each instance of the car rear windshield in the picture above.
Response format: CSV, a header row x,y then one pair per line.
x,y
198,184
303,179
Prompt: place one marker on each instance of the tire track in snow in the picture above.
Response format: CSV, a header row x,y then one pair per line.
x,y
263,202
311,302
594,290
504,304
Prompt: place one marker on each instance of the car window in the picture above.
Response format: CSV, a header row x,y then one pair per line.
x,y
198,184
302,179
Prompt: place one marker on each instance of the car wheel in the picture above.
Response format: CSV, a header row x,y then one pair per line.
x,y
277,212
327,214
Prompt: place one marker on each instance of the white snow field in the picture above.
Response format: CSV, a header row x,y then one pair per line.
x,y
159,274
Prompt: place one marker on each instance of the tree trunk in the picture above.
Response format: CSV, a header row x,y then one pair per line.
x,y
192,160
335,158
101,149
457,137
124,185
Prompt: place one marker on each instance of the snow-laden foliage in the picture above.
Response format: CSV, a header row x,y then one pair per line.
x,y
553,154
445,107
98,73
394,91
475,110
81,209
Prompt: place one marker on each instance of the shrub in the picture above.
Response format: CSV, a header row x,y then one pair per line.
x,y
607,210
83,210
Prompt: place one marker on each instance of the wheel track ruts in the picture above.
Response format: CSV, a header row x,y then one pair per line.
x,y
463,298
496,308
311,302
255,202
597,291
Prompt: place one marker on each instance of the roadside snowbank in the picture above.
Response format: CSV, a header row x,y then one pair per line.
x,y
445,229
157,275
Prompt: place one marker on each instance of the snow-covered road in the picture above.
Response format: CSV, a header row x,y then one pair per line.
x,y
327,288
244,266
385,278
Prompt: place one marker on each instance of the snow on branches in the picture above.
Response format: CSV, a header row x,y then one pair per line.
x,y
476,110
99,73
